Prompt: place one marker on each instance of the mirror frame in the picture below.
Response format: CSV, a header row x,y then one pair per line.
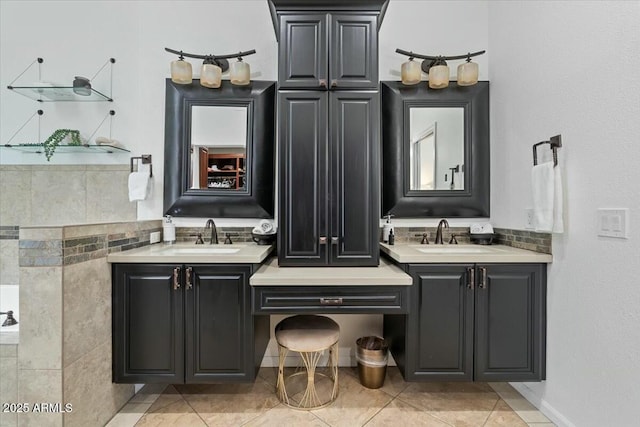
x,y
257,201
397,197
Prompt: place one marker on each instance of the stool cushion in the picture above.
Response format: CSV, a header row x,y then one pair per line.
x,y
307,333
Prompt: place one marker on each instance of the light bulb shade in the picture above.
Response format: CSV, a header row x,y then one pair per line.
x,y
410,72
439,76
467,74
240,71
181,72
210,75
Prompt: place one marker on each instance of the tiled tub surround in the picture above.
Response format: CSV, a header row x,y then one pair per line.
x,y
65,302
521,239
64,194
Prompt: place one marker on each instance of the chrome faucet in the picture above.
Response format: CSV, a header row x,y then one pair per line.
x,y
214,231
445,223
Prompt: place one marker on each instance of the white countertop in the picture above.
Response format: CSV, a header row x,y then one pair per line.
x,y
270,274
190,253
413,253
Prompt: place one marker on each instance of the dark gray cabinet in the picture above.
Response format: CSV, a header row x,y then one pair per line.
x,y
321,50
328,178
185,324
472,322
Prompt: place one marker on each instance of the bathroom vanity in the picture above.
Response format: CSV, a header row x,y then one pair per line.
x,y
182,314
200,313
476,313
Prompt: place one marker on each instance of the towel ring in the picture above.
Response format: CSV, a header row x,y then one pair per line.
x,y
146,160
555,142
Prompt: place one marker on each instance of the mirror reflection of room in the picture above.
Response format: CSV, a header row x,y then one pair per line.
x,y
218,147
436,155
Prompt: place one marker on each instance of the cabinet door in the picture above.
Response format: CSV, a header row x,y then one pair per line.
x,y
303,178
148,341
440,326
218,324
510,322
353,61
302,51
353,177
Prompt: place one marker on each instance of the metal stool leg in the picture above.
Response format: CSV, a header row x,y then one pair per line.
x,y
280,386
310,398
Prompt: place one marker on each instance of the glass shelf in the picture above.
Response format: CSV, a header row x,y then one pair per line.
x,y
85,148
58,94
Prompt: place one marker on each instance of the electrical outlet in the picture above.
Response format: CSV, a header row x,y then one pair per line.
x,y
154,237
613,223
529,219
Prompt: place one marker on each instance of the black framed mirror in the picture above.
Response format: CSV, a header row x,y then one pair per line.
x,y
219,150
435,150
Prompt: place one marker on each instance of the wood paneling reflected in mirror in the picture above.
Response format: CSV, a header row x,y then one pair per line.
x,y
219,150
435,150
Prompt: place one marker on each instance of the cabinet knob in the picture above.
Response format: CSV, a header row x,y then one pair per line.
x,y
335,240
334,83
323,240
322,83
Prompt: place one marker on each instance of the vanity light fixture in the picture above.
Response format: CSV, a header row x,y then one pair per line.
x,y
181,71
410,72
212,68
240,72
438,70
210,74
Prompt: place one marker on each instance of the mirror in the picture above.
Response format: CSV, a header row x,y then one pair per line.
x,y
218,147
435,146
219,150
436,154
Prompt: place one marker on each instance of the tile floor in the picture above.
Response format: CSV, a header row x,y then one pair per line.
x,y
397,403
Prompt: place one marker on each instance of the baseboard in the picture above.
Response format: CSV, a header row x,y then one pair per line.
x,y
543,406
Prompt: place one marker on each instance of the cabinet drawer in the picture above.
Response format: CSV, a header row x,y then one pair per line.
x,y
329,299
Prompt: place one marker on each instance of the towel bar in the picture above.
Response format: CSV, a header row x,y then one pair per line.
x,y
555,142
146,160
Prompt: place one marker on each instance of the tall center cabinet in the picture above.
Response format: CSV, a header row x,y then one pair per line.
x,y
329,132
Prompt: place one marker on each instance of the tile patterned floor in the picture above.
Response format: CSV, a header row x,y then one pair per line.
x,y
397,403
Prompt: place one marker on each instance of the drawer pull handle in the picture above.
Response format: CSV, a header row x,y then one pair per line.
x,y
331,301
176,278
189,280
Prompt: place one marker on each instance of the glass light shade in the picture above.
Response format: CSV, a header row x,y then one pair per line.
x,y
410,72
439,76
211,76
467,74
240,73
181,72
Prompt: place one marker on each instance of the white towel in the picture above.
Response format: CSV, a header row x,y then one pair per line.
x,y
140,183
547,198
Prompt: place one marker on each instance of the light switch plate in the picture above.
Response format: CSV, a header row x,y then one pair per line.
x,y
613,223
529,219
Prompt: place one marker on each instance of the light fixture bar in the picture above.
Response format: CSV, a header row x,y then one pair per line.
x,y
446,58
220,60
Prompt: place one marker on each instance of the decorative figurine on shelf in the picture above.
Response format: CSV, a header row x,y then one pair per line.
x,y
57,137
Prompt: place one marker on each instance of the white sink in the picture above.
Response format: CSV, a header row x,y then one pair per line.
x,y
204,251
462,249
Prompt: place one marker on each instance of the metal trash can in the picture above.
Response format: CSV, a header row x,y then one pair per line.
x,y
372,354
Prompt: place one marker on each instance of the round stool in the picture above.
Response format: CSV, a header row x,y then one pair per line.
x,y
310,336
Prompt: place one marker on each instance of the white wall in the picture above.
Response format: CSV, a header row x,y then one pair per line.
x,y
571,68
76,38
